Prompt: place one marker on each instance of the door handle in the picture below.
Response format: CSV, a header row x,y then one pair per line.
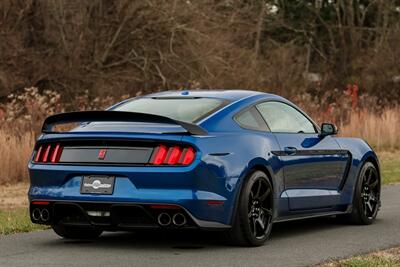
x,y
290,150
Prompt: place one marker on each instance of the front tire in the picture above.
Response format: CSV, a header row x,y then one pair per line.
x,y
366,202
69,232
253,221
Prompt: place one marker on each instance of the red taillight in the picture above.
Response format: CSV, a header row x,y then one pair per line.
x,y
48,153
173,155
161,154
38,154
188,157
55,157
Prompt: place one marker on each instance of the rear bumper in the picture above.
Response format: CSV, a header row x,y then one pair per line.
x,y
116,216
207,200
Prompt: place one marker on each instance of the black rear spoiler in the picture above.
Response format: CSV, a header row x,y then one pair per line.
x,y
115,116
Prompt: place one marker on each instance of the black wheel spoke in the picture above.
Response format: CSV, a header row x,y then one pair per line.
x,y
365,208
370,206
267,211
259,188
374,184
261,223
369,176
254,227
265,194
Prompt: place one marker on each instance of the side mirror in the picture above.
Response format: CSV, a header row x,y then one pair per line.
x,y
328,129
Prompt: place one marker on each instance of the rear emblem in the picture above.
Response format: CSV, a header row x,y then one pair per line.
x,y
102,154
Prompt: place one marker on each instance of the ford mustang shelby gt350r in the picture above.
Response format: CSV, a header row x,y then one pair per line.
x,y
232,160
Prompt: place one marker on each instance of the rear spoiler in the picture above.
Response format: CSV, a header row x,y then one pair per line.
x,y
115,116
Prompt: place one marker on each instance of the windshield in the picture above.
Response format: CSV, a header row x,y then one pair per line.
x,y
183,109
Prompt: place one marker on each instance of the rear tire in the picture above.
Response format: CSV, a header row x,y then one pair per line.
x,y
69,232
253,220
366,202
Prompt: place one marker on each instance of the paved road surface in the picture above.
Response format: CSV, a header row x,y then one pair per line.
x,y
292,244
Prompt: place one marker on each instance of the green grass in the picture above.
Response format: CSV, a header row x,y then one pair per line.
x,y
15,221
370,261
390,167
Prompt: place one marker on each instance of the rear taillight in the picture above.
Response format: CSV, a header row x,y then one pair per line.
x,y
173,155
48,153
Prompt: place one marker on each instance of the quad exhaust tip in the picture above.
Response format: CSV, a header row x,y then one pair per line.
x,y
164,219
41,215
45,215
36,214
179,219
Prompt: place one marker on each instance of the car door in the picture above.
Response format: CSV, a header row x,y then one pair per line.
x,y
314,166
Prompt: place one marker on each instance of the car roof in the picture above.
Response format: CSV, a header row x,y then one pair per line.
x,y
231,95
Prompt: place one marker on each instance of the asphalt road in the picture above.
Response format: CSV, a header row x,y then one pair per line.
x,y
302,243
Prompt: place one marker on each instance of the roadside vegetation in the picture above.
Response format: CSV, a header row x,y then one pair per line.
x,y
384,258
14,215
16,221
390,167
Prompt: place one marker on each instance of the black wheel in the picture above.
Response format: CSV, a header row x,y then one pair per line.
x,y
253,221
366,201
69,232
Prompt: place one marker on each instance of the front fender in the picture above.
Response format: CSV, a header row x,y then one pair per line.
x,y
360,152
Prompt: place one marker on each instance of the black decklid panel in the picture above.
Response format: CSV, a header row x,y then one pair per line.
x,y
105,155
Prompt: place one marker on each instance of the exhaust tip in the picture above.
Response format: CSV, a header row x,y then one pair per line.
x,y
36,214
164,219
179,219
45,215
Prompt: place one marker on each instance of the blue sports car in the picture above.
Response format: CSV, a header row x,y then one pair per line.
x,y
236,161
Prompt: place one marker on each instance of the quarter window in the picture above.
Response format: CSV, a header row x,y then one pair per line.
x,y
251,119
283,118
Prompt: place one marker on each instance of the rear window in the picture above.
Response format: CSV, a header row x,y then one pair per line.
x,y
183,109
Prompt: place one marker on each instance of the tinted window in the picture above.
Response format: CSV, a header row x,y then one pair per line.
x,y
183,109
283,118
250,119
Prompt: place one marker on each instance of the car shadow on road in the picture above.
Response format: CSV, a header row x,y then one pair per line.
x,y
193,239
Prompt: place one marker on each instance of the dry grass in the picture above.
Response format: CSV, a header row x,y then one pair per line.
x,y
13,196
15,151
380,131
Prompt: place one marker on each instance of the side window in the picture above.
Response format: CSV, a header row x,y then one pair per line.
x,y
283,118
251,119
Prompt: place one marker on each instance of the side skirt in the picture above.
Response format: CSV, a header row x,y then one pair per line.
x,y
310,216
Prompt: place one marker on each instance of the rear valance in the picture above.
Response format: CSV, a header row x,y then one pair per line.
x,y
116,116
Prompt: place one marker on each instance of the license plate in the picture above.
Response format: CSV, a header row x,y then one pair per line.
x,y
95,184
